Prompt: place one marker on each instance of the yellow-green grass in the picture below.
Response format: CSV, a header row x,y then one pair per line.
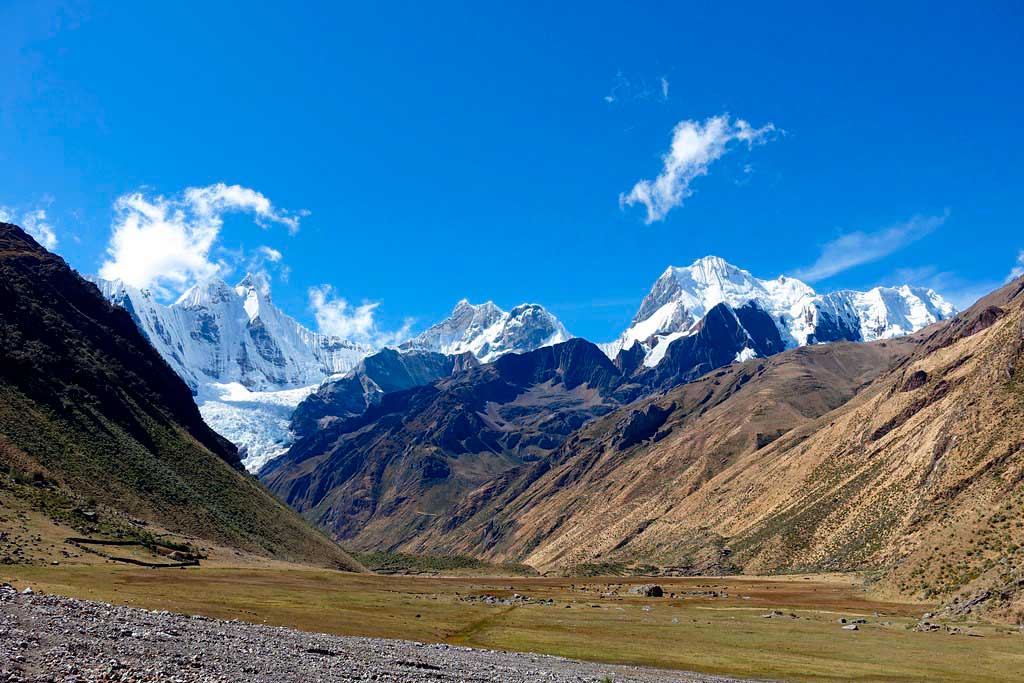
x,y
692,631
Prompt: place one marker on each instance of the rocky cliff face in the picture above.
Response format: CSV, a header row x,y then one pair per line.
x,y
386,371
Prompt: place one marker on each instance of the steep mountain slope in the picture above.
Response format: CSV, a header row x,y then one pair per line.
x,y
488,332
323,475
379,479
89,406
681,297
615,485
781,464
248,363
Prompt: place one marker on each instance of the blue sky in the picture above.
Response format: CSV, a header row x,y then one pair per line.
x,y
412,154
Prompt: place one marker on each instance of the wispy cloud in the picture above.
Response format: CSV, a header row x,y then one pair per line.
x,y
857,248
625,89
167,243
695,146
954,288
337,317
34,222
1018,268
269,253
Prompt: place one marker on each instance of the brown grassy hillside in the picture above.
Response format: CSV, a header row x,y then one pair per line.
x,y
611,493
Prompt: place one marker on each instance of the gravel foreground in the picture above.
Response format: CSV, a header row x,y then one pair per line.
x,y
52,638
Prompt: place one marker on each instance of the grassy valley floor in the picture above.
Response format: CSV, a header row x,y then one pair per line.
x,y
712,625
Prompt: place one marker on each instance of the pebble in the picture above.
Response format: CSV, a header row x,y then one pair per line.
x,y
53,638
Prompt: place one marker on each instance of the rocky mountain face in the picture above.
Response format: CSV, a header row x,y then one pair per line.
x,y
681,298
93,411
379,479
250,365
488,332
383,372
691,433
903,457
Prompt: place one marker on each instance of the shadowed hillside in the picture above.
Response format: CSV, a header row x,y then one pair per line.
x,y
380,479
612,492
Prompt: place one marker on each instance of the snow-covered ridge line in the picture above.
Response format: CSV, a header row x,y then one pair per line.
x,y
249,364
682,296
488,332
223,334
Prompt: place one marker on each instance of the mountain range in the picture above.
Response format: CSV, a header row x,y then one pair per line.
x,y
901,457
378,466
251,366
681,297
739,425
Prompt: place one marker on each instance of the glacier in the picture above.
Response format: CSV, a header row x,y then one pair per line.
x,y
247,362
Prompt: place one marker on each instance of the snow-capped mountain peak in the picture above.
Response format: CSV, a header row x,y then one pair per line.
x,y
682,296
487,331
248,363
209,292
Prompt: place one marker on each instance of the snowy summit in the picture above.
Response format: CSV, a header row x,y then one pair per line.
x,y
682,296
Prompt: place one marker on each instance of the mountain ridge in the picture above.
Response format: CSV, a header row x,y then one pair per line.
x,y
488,332
682,296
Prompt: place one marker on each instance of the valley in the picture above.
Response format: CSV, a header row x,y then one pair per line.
x,y
492,487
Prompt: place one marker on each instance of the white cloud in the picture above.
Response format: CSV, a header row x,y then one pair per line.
x,y
857,248
269,253
695,146
1018,268
35,223
165,243
336,317
664,88
213,200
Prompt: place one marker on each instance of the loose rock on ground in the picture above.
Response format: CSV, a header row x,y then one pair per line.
x,y
51,638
